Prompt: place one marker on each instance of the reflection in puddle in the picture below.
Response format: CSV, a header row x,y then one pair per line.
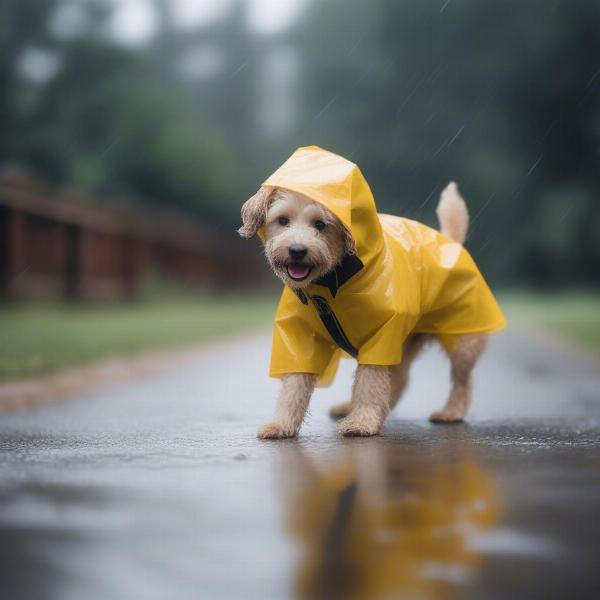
x,y
376,519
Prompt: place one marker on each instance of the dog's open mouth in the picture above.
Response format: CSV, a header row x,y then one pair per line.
x,y
298,271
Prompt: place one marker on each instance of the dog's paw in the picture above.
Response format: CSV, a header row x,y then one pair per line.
x,y
357,426
337,411
275,431
447,415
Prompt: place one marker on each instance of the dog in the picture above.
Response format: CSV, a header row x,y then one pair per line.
x,y
307,244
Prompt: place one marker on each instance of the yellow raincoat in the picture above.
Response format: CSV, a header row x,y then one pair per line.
x,y
405,278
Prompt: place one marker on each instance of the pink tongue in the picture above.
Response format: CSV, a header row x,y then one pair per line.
x,y
297,271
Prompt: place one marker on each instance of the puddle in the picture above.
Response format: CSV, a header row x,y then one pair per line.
x,y
377,519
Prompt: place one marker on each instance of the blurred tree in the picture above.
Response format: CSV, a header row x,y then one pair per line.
x,y
23,26
108,123
215,67
501,97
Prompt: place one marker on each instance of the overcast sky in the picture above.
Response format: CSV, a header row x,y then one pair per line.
x,y
134,20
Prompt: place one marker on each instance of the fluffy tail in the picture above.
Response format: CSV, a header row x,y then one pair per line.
x,y
453,214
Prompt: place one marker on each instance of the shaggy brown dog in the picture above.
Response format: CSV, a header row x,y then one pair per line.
x,y
303,241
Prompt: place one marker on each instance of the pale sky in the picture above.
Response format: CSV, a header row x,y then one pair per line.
x,y
134,21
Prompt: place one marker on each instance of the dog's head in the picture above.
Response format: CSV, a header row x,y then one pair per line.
x,y
303,239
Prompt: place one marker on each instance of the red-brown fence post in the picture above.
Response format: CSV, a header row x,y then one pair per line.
x,y
12,250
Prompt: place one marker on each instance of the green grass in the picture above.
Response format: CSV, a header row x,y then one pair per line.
x,y
573,314
42,338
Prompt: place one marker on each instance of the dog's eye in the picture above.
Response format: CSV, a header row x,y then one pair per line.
x,y
283,221
319,225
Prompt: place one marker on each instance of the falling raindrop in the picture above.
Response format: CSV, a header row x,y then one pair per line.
x,y
460,130
535,164
326,107
240,68
564,216
444,6
483,207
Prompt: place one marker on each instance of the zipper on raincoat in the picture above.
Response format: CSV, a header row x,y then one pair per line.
x,y
333,326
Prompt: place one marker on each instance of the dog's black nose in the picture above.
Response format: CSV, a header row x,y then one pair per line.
x,y
297,251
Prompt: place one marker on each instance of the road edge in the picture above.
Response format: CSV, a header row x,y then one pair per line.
x,y
107,373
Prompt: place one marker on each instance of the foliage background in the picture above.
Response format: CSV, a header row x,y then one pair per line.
x,y
131,98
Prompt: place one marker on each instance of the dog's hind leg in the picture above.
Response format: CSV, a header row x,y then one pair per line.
x,y
337,411
370,401
399,373
462,359
292,404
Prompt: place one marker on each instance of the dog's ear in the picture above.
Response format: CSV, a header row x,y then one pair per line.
x,y
254,211
349,243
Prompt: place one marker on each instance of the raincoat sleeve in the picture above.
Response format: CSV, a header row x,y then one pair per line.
x,y
300,343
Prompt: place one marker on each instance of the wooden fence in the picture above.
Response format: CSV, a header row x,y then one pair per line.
x,y
56,242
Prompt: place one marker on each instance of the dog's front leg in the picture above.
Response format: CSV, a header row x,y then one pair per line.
x,y
296,390
370,401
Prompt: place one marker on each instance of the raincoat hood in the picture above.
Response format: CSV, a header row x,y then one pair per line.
x,y
404,278
339,185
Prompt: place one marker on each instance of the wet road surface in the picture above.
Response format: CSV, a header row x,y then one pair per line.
x,y
160,489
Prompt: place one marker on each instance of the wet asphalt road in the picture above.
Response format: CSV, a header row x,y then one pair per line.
x,y
159,489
